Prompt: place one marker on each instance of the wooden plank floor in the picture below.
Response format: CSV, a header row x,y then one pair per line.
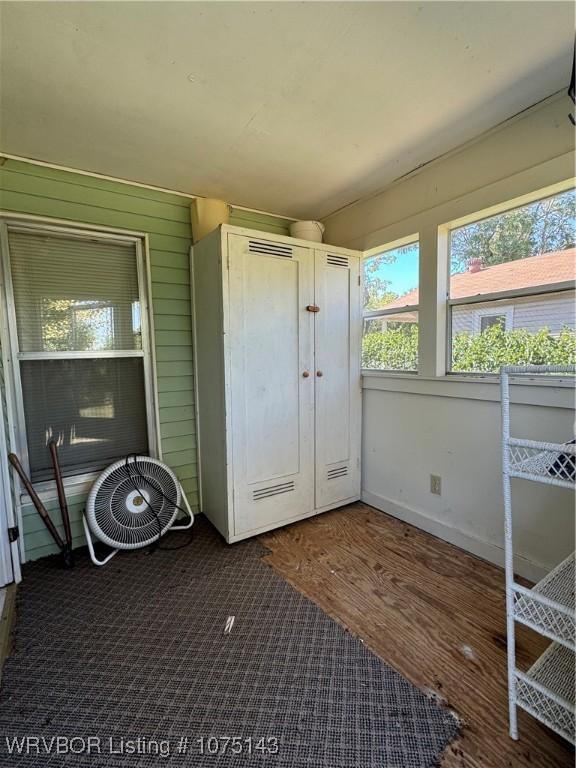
x,y
431,611
7,622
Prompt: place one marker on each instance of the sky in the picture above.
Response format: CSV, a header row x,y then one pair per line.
x,y
402,274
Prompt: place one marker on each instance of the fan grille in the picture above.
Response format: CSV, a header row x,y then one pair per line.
x,y
125,508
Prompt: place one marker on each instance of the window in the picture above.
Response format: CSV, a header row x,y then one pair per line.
x,y
487,317
487,321
390,338
512,281
80,346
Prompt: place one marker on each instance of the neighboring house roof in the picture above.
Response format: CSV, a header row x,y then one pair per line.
x,y
551,267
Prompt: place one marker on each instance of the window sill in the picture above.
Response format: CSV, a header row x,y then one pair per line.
x,y
74,486
488,378
556,392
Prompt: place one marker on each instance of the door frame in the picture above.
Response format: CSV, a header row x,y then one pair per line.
x,y
10,570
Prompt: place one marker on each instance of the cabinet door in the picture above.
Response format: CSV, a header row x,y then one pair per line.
x,y
337,378
272,402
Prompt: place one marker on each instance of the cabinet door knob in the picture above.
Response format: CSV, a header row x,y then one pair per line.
x,y
319,373
313,308
305,374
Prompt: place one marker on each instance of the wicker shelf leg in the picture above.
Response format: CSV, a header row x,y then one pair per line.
x,y
546,690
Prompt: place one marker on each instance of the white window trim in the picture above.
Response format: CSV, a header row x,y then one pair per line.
x,y
10,356
433,226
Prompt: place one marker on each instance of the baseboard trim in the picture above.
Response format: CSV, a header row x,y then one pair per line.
x,y
487,550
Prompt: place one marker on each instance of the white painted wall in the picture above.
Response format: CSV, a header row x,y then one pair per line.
x,y
407,437
430,423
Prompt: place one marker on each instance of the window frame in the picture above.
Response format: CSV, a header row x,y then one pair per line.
x,y
12,357
495,296
375,313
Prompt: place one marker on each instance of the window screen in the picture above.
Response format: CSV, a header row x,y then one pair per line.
x,y
523,259
73,294
78,323
390,337
94,409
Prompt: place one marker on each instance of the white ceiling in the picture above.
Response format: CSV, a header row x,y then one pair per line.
x,y
296,108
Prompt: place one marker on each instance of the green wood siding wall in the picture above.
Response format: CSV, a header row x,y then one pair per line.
x,y
40,191
261,221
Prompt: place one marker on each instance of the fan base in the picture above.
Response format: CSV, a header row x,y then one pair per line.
x,y
109,557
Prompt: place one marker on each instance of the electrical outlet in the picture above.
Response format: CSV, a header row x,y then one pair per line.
x,y
436,485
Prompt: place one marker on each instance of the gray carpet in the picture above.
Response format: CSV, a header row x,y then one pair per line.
x,y
137,650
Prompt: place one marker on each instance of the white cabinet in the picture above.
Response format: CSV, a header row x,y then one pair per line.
x,y
270,343
277,356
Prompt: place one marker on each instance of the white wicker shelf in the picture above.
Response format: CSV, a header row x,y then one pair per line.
x,y
549,606
546,691
550,463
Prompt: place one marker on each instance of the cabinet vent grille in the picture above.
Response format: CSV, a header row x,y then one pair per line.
x,y
273,490
337,261
274,249
332,474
